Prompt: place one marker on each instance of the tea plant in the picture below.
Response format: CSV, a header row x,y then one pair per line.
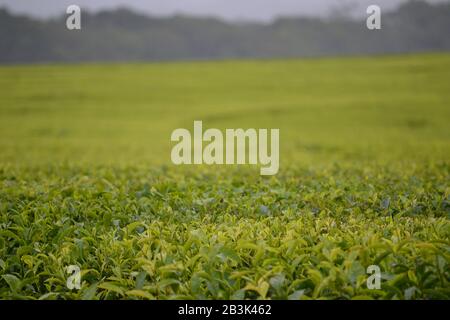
x,y
169,234
86,180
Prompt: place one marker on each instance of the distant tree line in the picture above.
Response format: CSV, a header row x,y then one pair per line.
x,y
123,35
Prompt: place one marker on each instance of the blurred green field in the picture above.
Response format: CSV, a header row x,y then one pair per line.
x,y
86,179
385,108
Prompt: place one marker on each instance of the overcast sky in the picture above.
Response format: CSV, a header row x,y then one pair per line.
x,y
258,10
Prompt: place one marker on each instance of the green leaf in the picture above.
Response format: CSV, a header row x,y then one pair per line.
x,y
13,282
89,294
111,286
140,294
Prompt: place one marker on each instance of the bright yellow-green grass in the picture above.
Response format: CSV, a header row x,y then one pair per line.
x,y
394,108
86,179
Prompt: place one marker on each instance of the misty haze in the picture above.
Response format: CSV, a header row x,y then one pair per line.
x,y
127,35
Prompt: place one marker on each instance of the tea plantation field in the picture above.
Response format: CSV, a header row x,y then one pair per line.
x,y
86,179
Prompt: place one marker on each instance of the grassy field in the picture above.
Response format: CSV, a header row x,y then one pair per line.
x,y
86,179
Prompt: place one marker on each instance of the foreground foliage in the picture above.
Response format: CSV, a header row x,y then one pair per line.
x,y
86,180
166,234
